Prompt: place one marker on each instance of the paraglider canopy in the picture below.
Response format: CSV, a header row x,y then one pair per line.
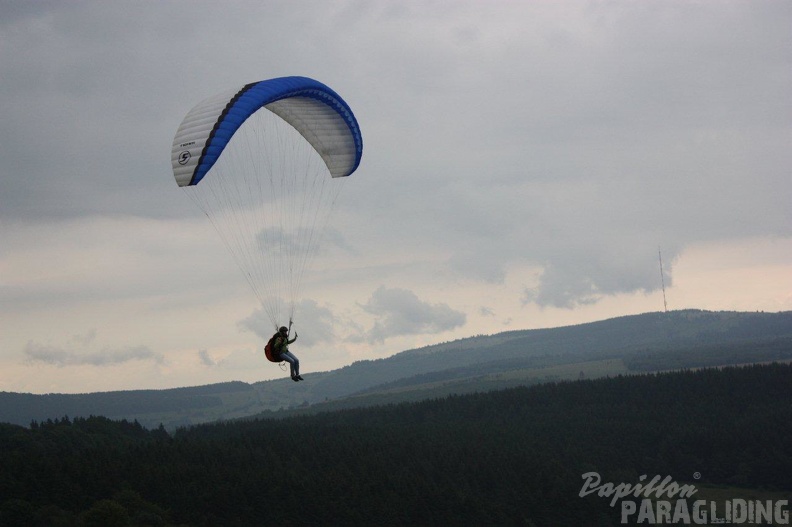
x,y
313,109
258,161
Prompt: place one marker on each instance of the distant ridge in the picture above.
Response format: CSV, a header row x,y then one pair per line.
x,y
629,344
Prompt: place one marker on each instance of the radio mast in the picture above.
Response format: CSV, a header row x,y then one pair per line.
x,y
662,279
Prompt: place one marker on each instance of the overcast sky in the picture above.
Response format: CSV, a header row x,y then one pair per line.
x,y
522,164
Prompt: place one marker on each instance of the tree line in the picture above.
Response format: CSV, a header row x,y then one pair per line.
x,y
511,457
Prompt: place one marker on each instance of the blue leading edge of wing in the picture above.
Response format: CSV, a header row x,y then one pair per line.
x,y
253,96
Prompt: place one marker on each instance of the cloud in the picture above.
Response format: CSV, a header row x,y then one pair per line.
x,y
56,356
559,289
246,360
580,277
614,133
601,124
401,312
318,323
258,322
85,340
205,358
314,323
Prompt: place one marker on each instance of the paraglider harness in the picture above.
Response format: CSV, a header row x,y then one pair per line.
x,y
269,349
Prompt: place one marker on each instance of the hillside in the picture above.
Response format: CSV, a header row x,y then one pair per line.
x,y
632,344
510,457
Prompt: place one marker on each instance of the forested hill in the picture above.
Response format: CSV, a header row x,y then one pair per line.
x,y
648,342
511,457
631,344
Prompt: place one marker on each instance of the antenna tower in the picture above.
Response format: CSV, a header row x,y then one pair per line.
x,y
662,279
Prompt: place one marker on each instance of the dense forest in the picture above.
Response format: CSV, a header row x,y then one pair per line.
x,y
510,457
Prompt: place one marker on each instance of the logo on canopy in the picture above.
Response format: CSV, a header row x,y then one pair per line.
x,y
184,157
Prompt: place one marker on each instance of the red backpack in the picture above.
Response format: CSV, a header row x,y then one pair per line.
x,y
269,349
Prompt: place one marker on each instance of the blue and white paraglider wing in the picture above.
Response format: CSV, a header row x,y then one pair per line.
x,y
318,113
